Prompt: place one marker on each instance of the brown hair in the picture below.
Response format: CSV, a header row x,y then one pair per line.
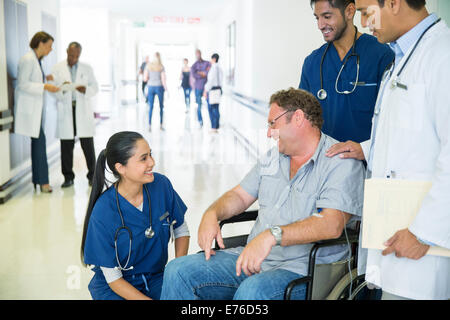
x,y
297,99
38,38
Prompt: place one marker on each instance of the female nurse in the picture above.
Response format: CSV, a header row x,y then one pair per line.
x,y
128,226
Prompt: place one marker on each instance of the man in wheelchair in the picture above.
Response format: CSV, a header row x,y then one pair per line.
x,y
304,197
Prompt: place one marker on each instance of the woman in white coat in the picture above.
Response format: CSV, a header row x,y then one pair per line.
x,y
29,106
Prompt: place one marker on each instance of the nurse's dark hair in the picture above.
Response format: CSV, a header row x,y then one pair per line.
x,y
337,4
39,37
413,4
119,149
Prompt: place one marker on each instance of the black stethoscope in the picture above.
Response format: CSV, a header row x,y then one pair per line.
x,y
396,82
322,93
149,232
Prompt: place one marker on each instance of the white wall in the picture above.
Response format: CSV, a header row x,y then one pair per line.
x,y
285,32
4,136
273,39
242,12
35,9
91,28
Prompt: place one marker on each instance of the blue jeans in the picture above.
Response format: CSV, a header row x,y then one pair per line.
x,y
194,278
152,91
187,97
214,115
39,164
198,99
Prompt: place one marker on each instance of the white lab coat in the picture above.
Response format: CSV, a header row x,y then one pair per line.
x,y
84,112
29,97
412,141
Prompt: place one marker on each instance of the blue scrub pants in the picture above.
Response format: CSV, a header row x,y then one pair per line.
x,y
150,285
198,99
194,278
152,92
39,164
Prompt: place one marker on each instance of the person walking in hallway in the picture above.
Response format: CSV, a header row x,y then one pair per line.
x,y
75,113
200,71
141,73
155,76
29,106
185,78
213,92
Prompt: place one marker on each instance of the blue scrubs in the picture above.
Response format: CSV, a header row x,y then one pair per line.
x,y
348,117
148,256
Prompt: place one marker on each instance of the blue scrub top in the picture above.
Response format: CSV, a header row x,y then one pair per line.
x,y
148,256
348,117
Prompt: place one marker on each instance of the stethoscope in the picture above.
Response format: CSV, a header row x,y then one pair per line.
x,y
322,93
149,232
396,83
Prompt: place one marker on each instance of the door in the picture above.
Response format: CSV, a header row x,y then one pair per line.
x,y
16,42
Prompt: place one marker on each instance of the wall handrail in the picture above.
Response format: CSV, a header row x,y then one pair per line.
x,y
259,106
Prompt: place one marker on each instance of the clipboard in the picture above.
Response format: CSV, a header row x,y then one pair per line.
x,y
391,205
68,86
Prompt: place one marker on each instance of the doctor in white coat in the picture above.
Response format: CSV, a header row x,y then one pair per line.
x,y
411,140
29,106
75,113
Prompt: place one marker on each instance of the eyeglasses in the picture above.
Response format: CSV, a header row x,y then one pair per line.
x,y
272,123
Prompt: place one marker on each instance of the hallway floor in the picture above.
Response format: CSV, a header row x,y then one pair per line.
x,y
40,234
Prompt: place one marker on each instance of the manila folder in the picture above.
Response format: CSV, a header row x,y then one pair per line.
x,y
389,206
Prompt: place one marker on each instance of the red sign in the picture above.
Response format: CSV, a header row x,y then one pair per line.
x,y
177,20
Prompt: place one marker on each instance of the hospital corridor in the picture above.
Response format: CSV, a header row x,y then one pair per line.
x,y
249,150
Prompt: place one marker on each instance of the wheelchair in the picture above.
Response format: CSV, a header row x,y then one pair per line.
x,y
335,281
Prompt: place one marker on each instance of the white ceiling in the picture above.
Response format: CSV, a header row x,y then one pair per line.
x,y
146,9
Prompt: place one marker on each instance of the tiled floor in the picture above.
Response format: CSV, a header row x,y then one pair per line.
x,y
40,234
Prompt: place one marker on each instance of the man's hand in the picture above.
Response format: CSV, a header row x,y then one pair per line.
x,y
405,245
51,88
81,89
208,231
49,77
202,74
346,150
254,254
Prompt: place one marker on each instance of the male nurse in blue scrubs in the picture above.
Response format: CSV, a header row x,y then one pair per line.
x,y
347,88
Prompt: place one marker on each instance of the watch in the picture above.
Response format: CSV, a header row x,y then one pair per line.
x,y
277,232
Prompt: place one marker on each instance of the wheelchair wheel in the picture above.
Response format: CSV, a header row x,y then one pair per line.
x,y
342,289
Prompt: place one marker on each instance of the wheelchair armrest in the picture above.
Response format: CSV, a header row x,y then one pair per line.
x,y
243,217
353,237
288,291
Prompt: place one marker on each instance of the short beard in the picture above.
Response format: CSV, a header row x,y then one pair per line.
x,y
340,33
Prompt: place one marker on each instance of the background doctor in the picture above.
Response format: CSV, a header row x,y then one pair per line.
x,y
75,114
411,140
29,106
